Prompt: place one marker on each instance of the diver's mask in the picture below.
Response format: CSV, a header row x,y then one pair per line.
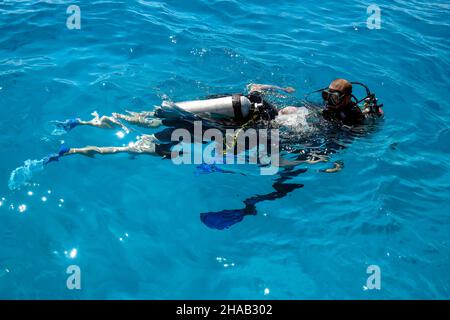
x,y
333,97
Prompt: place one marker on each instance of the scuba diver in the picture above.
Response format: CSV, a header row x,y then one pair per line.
x,y
236,110
340,110
340,107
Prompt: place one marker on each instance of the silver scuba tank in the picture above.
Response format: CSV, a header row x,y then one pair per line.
x,y
235,106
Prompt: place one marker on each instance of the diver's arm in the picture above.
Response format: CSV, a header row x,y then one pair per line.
x,y
267,87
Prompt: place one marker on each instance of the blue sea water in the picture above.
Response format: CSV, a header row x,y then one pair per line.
x,y
133,226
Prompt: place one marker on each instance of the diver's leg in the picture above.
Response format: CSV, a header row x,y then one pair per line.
x,y
97,121
143,119
146,144
104,122
91,151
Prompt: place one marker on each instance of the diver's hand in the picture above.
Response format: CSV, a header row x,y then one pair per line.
x,y
289,90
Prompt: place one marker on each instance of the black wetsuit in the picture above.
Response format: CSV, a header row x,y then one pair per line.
x,y
349,115
267,112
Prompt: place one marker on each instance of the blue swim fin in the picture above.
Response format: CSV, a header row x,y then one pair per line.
x,y
68,124
55,156
209,168
226,218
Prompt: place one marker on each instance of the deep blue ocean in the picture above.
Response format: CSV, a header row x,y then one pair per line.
x,y
133,225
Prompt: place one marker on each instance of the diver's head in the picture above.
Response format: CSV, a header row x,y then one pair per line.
x,y
338,94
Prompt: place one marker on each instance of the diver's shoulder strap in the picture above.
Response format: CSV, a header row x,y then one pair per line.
x,y
237,107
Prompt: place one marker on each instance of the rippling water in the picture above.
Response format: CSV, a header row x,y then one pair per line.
x,y
133,226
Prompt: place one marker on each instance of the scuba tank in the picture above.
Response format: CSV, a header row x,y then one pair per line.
x,y
236,106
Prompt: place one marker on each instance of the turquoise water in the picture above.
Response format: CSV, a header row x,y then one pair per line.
x,y
133,226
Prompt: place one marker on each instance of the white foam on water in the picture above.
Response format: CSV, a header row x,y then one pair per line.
x,y
296,121
21,176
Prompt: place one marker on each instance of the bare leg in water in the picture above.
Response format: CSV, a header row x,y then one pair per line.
x,y
143,119
145,144
104,122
